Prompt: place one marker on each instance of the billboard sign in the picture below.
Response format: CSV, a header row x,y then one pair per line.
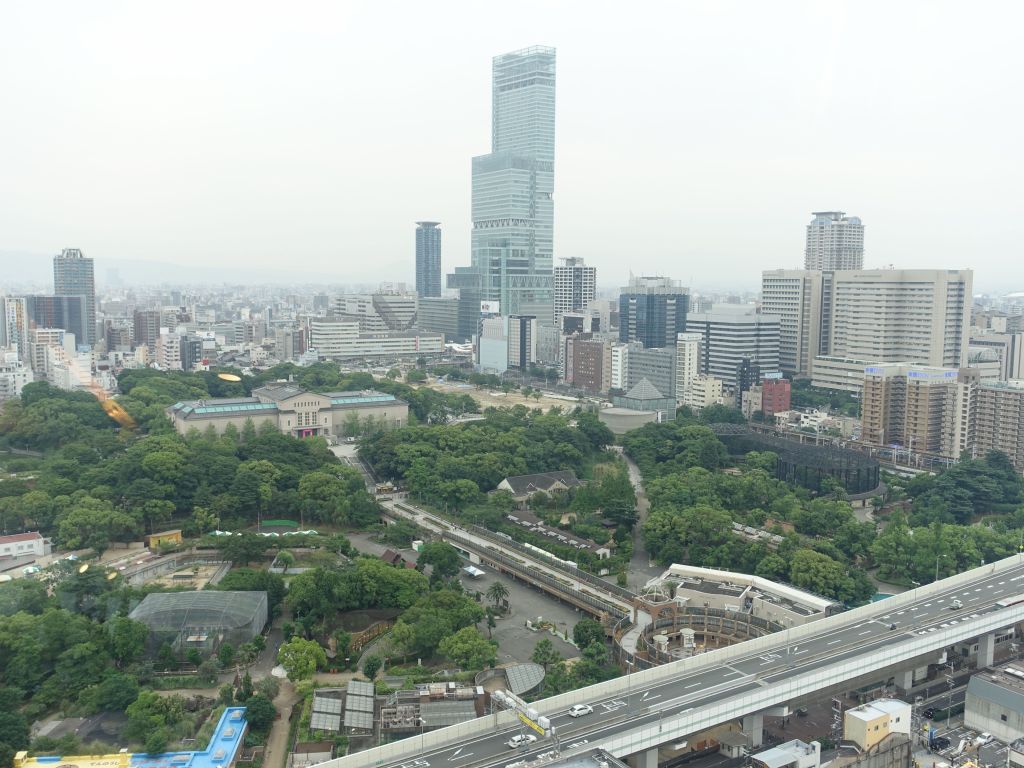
x,y
490,308
530,723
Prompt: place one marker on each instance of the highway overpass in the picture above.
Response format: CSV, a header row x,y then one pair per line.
x,y
636,713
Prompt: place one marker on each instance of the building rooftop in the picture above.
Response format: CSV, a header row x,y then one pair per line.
x,y
16,537
542,481
784,754
1003,685
877,708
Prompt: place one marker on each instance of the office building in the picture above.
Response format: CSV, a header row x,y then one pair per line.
x,y
377,312
644,396
146,326
688,359
428,259
167,351
1006,349
799,299
192,356
67,312
575,287
335,339
657,366
440,315
652,310
491,345
834,241
522,341
588,363
513,191
910,406
776,396
619,359
73,276
735,339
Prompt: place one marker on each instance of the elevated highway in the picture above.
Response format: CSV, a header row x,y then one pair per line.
x,y
637,713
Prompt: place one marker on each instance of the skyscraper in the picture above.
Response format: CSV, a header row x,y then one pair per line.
x,y
428,259
513,191
652,310
575,287
834,241
73,276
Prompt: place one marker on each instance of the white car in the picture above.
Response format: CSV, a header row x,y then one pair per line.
x,y
983,739
521,739
579,710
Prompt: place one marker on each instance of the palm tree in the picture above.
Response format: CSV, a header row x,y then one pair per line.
x,y
497,592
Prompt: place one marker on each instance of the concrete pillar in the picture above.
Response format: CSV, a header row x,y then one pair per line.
x,y
753,727
905,679
647,759
986,650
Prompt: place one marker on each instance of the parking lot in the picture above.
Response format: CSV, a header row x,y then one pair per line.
x,y
962,746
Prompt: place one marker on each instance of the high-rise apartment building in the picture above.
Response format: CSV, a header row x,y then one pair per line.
x,y
428,258
575,287
14,324
735,339
146,327
688,360
910,406
834,241
513,191
68,312
998,421
73,276
588,363
652,310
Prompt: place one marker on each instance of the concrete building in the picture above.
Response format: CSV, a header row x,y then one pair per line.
x,y
587,363
513,191
993,415
14,374
995,701
776,396
31,544
73,276
731,336
791,754
146,325
619,358
376,312
646,397
338,339
292,410
428,259
575,287
834,241
885,315
623,420
167,352
289,343
652,311
688,358
798,299
657,366
702,392
1006,348
491,345
869,724
439,315
14,324
911,406
68,312
522,341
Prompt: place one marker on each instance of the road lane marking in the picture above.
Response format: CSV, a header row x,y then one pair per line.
x,y
833,642
691,686
868,632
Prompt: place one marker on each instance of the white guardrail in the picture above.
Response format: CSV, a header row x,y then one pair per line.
x,y
730,708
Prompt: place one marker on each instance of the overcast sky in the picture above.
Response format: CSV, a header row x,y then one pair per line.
x,y
693,139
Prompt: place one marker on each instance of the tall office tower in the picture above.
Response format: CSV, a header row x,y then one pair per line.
x,y
798,298
73,276
428,258
834,241
687,362
652,310
513,191
67,312
575,287
735,339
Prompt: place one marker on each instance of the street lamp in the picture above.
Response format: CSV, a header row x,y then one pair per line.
x,y
937,558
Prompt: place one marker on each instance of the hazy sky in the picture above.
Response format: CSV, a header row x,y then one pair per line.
x,y
693,139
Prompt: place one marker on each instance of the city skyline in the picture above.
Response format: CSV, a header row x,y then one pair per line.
x,y
653,162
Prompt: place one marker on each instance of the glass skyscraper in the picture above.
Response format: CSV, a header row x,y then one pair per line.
x,y
428,259
513,190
